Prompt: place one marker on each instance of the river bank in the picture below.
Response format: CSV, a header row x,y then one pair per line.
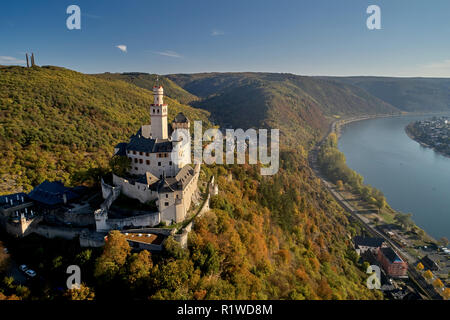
x,y
336,128
411,135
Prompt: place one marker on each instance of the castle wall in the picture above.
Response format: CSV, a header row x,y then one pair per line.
x,y
157,165
137,190
60,232
145,220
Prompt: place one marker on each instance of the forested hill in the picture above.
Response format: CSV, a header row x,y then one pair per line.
x,y
299,106
407,94
147,81
58,124
278,237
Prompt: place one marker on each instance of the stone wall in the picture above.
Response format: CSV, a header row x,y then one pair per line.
x,y
135,190
58,232
144,220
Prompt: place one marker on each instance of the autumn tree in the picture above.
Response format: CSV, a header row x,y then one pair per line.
x,y
340,185
114,256
428,275
420,266
438,283
82,293
139,267
447,293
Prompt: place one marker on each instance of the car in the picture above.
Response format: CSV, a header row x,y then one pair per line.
x,y
23,267
30,273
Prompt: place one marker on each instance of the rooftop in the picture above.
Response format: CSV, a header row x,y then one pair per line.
x,y
52,193
391,255
142,144
368,242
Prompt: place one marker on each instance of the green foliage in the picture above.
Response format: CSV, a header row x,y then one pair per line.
x,y
120,165
332,162
147,81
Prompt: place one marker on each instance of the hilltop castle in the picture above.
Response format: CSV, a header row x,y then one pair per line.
x,y
153,175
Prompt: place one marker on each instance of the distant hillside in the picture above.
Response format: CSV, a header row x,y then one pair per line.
x,y
57,123
299,106
407,94
147,81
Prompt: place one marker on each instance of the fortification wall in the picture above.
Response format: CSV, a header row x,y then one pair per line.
x,y
145,220
58,232
137,191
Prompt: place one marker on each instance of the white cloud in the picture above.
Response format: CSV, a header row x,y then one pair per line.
x,y
436,69
168,53
216,33
122,47
10,60
439,65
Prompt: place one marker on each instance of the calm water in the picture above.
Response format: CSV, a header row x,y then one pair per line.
x,y
413,178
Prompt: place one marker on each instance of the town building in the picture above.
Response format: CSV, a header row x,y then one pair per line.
x,y
392,264
362,244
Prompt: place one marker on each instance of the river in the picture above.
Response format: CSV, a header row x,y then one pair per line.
x,y
413,178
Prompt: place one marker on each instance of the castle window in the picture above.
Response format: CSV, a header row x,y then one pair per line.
x,y
157,111
134,152
140,161
170,163
135,168
147,154
140,153
167,195
166,204
135,160
159,164
147,162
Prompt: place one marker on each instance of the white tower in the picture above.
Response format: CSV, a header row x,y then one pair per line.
x,y
158,115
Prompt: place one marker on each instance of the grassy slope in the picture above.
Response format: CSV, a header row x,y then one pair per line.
x,y
57,122
147,81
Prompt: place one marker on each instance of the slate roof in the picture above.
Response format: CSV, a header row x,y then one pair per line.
x,y
391,255
180,118
141,144
51,193
122,149
368,242
179,182
13,197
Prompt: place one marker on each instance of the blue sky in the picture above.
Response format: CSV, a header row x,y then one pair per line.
x,y
303,37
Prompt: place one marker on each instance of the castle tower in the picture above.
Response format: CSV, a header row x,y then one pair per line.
x,y
158,115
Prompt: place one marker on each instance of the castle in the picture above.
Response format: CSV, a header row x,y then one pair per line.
x,y
154,174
